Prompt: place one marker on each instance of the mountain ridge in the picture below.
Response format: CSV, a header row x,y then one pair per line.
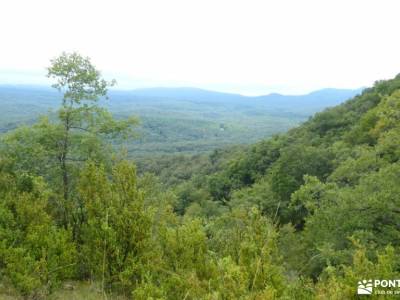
x,y
189,120
182,89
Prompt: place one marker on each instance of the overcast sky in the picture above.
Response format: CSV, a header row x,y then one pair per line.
x,y
250,47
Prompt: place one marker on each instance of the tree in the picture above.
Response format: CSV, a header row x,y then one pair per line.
x,y
79,81
287,174
57,149
82,122
117,249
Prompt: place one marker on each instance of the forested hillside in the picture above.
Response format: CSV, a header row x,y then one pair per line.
x,y
180,120
302,215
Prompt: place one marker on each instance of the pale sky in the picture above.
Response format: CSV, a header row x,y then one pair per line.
x,y
245,46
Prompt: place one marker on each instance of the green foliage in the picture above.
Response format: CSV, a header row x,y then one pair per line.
x,y
249,241
185,121
331,180
304,215
116,237
338,283
57,149
35,255
288,171
77,78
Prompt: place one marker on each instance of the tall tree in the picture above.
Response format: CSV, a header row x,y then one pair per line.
x,y
79,82
56,148
83,125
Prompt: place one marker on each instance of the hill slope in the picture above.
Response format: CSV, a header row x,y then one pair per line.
x,y
302,215
336,179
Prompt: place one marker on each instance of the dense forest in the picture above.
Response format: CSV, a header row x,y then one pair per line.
x,y
180,120
301,215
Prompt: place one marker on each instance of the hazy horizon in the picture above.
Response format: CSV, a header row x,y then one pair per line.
x,y
46,83
247,47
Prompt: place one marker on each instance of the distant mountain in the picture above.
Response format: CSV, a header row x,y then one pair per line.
x,y
189,120
185,93
322,97
318,99
307,104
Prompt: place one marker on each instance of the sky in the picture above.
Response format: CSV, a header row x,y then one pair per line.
x,y
250,47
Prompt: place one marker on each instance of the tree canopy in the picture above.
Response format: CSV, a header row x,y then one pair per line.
x,y
302,215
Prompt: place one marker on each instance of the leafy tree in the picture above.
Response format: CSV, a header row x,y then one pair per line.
x,y
57,149
288,172
81,120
